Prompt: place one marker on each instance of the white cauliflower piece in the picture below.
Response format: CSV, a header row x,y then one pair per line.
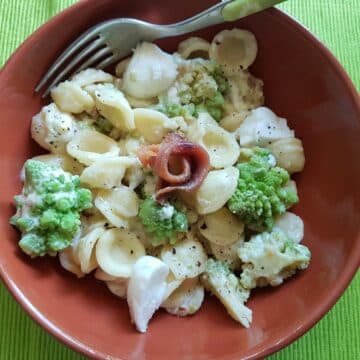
x,y
219,280
146,290
150,72
269,258
262,127
53,129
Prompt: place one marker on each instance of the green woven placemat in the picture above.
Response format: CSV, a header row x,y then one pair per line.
x,y
337,335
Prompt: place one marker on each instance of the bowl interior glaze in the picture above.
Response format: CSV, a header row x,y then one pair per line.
x,y
303,83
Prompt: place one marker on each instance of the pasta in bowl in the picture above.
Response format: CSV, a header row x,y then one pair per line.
x,y
167,179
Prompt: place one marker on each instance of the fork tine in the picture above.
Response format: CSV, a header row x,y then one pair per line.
x,y
106,62
95,58
88,63
71,49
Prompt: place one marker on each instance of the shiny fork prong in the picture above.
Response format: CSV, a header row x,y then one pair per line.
x,y
99,56
106,62
66,72
67,53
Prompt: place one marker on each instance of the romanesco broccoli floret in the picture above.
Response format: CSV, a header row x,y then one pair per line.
x,y
219,280
261,194
269,258
163,222
199,88
48,210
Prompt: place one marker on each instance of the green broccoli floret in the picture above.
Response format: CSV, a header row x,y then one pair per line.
x,y
48,210
269,258
220,281
200,88
163,222
261,194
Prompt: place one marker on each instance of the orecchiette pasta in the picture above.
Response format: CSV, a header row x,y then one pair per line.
x,y
91,76
234,50
131,145
163,150
233,120
186,259
103,276
67,261
70,97
89,145
112,104
289,154
52,129
194,47
291,185
121,67
152,125
216,190
107,173
134,175
221,145
92,222
228,253
118,288
245,92
186,299
118,205
221,227
292,225
141,103
85,250
172,284
117,251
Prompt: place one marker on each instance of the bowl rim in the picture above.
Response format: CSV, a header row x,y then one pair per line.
x,y
325,305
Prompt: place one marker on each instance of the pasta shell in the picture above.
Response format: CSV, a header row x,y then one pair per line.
x,y
292,225
117,251
67,261
186,299
216,190
234,50
71,98
118,288
221,145
221,227
91,76
118,205
194,47
152,125
89,146
186,259
85,250
289,154
228,253
112,104
107,173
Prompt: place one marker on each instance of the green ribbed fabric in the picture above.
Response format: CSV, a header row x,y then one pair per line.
x,y
336,337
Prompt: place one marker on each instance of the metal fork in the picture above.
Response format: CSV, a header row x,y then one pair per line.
x,y
110,41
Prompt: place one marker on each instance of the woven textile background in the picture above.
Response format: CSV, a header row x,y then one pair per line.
x,y
337,24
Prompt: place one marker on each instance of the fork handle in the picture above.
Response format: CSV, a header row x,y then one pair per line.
x,y
228,10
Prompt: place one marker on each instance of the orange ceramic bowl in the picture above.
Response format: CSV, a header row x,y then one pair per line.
x,y
304,83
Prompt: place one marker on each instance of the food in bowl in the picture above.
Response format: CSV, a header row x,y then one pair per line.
x,y
167,179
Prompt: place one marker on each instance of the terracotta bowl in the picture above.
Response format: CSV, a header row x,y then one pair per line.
x,y
304,83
